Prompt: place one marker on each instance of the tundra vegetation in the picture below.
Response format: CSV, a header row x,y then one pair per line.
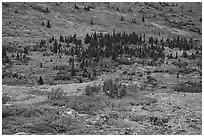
x,y
101,68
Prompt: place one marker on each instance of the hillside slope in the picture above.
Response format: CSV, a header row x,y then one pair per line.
x,y
62,74
22,22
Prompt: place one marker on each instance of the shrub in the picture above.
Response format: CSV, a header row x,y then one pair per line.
x,y
124,61
150,78
137,118
186,70
12,111
114,89
57,93
5,98
37,92
44,120
82,104
189,87
86,104
14,82
62,75
40,8
27,111
90,90
53,124
159,121
6,74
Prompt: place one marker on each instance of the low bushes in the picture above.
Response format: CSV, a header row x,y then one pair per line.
x,y
87,105
57,93
6,74
82,104
14,82
90,90
186,70
114,89
53,124
26,111
5,98
189,87
44,120
62,75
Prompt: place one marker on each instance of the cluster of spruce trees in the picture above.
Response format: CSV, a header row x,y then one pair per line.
x,y
100,45
181,43
116,44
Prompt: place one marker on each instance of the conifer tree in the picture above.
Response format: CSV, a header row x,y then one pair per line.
x,y
73,73
24,56
177,75
17,56
122,18
41,65
5,58
55,47
91,22
176,55
94,73
43,23
185,55
76,7
26,50
143,19
130,9
40,81
61,38
48,24
200,19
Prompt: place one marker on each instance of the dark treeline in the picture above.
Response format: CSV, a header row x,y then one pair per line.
x,y
115,45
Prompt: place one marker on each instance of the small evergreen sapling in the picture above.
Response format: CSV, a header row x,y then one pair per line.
x,y
40,81
91,22
48,24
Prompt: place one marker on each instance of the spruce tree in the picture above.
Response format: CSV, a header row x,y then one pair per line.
x,y
73,73
76,7
122,19
40,81
55,47
185,55
41,65
26,50
177,75
17,56
130,9
200,19
24,56
48,24
61,38
143,19
43,23
5,58
176,56
94,73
